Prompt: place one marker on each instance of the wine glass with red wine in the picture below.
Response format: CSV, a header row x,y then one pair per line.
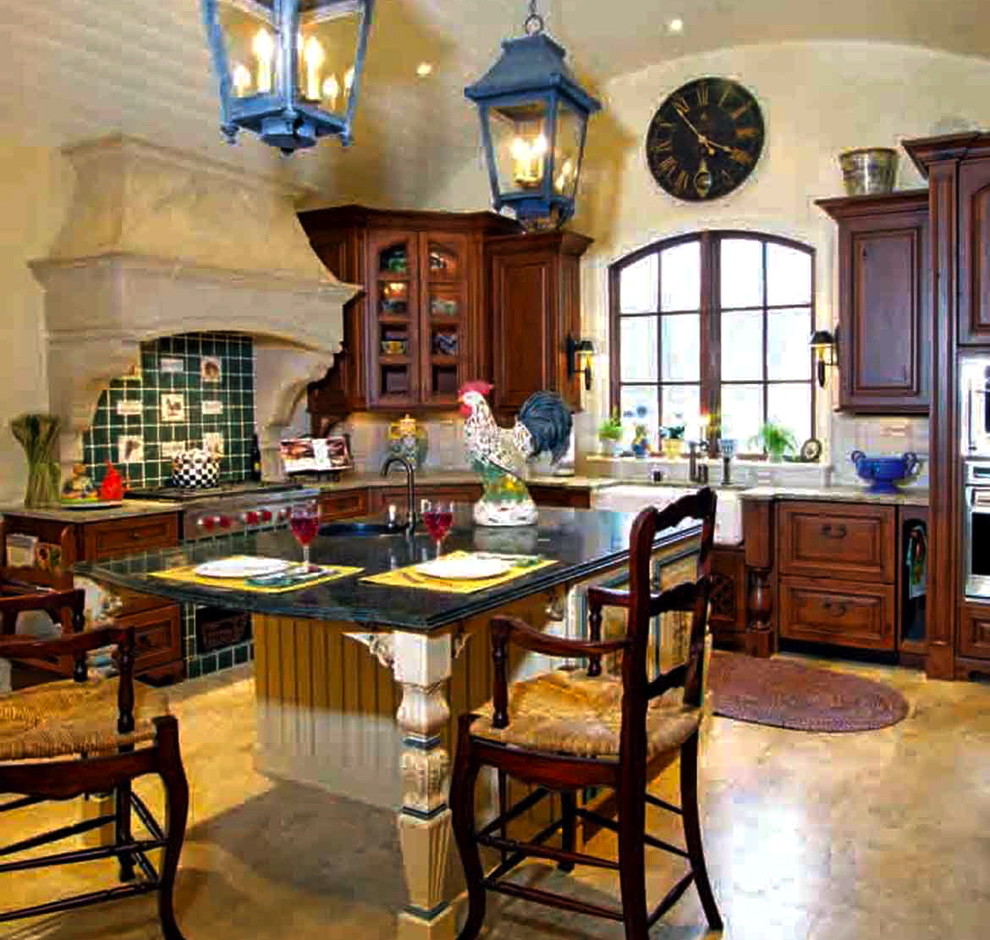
x,y
304,520
438,517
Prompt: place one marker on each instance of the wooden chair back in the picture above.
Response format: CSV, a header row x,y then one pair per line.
x,y
643,605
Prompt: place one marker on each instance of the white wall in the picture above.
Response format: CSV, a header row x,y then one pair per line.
x,y
35,184
817,100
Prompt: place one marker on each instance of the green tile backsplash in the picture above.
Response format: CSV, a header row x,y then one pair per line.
x,y
129,425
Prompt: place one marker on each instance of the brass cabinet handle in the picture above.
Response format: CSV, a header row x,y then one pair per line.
x,y
834,532
835,608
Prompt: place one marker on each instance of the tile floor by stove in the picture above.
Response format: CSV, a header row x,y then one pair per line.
x,y
869,836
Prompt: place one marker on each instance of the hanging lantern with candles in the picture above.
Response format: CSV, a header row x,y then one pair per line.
x,y
289,70
533,121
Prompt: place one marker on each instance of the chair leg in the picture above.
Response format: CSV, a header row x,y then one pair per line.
x,y
176,811
122,828
568,809
632,861
692,830
462,789
503,805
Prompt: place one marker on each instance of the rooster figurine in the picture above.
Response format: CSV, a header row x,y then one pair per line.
x,y
499,455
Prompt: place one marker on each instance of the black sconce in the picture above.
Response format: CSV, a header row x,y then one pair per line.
x,y
580,352
823,346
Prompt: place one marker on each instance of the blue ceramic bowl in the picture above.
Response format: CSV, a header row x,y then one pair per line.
x,y
883,473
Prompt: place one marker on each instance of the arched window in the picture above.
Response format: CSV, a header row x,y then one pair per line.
x,y
714,323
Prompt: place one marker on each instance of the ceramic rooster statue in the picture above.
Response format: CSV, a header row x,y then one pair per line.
x,y
500,454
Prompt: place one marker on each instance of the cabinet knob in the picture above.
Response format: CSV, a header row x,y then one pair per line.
x,y
835,608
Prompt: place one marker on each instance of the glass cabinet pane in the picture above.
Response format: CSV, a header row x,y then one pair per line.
x,y
327,45
252,44
393,298
443,263
394,260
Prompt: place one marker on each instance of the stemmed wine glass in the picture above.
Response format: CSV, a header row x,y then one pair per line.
x,y
304,520
438,517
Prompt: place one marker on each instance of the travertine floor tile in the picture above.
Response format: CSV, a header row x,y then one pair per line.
x,y
867,836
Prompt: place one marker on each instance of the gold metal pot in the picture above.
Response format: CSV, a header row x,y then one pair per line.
x,y
868,171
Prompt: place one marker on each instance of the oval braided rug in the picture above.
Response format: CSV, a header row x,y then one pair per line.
x,y
786,694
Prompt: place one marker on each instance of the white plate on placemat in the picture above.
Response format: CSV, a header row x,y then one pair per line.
x,y
243,566
465,569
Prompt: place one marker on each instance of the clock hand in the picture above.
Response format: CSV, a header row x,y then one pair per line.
x,y
702,139
740,156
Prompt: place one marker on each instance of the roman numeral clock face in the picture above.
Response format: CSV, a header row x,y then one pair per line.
x,y
705,139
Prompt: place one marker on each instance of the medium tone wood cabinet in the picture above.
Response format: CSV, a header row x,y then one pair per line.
x,y
156,621
884,303
419,329
535,296
837,568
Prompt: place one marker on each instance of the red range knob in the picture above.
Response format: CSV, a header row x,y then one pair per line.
x,y
207,522
251,517
266,515
225,522
283,514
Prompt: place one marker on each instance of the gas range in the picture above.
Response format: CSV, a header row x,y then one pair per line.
x,y
231,507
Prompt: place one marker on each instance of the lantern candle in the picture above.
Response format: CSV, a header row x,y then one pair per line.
x,y
348,80
241,79
527,160
331,91
314,57
264,51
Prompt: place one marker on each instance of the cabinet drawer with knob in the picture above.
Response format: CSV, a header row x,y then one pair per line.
x,y
856,542
846,613
127,536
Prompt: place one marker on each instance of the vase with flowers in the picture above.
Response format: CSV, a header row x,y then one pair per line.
x,y
37,434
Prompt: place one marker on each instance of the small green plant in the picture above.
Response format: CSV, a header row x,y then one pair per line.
x,y
672,432
611,428
775,439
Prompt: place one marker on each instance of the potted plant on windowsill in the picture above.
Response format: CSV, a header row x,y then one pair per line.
x,y
776,440
610,435
673,440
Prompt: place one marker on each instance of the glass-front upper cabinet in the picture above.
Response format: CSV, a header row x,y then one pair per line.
x,y
445,326
393,359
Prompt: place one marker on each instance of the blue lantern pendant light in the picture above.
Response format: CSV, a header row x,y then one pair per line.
x,y
534,116
289,70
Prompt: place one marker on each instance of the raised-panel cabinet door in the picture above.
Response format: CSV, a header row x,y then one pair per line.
x,y
974,252
884,322
974,631
523,328
393,319
884,331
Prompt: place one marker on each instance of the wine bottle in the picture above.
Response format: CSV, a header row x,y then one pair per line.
x,y
255,473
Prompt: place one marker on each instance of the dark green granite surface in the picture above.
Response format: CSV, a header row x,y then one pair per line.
x,y
584,542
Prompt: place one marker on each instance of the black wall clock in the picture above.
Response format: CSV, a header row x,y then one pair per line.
x,y
705,139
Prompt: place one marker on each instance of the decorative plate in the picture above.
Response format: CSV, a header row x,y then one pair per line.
x,y
465,569
241,566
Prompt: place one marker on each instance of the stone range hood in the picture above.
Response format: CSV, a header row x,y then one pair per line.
x,y
160,241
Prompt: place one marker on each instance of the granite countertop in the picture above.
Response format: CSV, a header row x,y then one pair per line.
x,y
130,508
909,496
584,542
396,478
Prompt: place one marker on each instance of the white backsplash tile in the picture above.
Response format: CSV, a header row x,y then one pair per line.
x,y
876,436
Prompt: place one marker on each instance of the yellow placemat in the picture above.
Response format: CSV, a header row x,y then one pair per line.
x,y
410,578
187,573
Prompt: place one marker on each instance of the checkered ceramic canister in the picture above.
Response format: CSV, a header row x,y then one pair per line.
x,y
196,469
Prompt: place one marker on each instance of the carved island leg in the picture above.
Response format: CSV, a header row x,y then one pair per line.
x,y
758,517
422,665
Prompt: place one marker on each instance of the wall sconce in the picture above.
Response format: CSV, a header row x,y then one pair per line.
x,y
580,353
823,346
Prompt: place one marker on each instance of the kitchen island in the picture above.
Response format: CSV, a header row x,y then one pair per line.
x,y
359,684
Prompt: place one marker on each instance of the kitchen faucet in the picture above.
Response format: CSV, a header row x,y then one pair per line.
x,y
410,525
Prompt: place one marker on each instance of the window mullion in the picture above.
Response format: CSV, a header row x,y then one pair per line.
x,y
711,359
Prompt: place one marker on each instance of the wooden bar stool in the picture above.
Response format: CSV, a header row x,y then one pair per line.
x,y
62,739
566,730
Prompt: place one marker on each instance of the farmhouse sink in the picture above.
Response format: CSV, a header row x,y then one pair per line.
x,y
371,530
633,497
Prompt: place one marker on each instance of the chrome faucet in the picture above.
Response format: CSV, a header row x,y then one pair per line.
x,y
410,525
697,472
